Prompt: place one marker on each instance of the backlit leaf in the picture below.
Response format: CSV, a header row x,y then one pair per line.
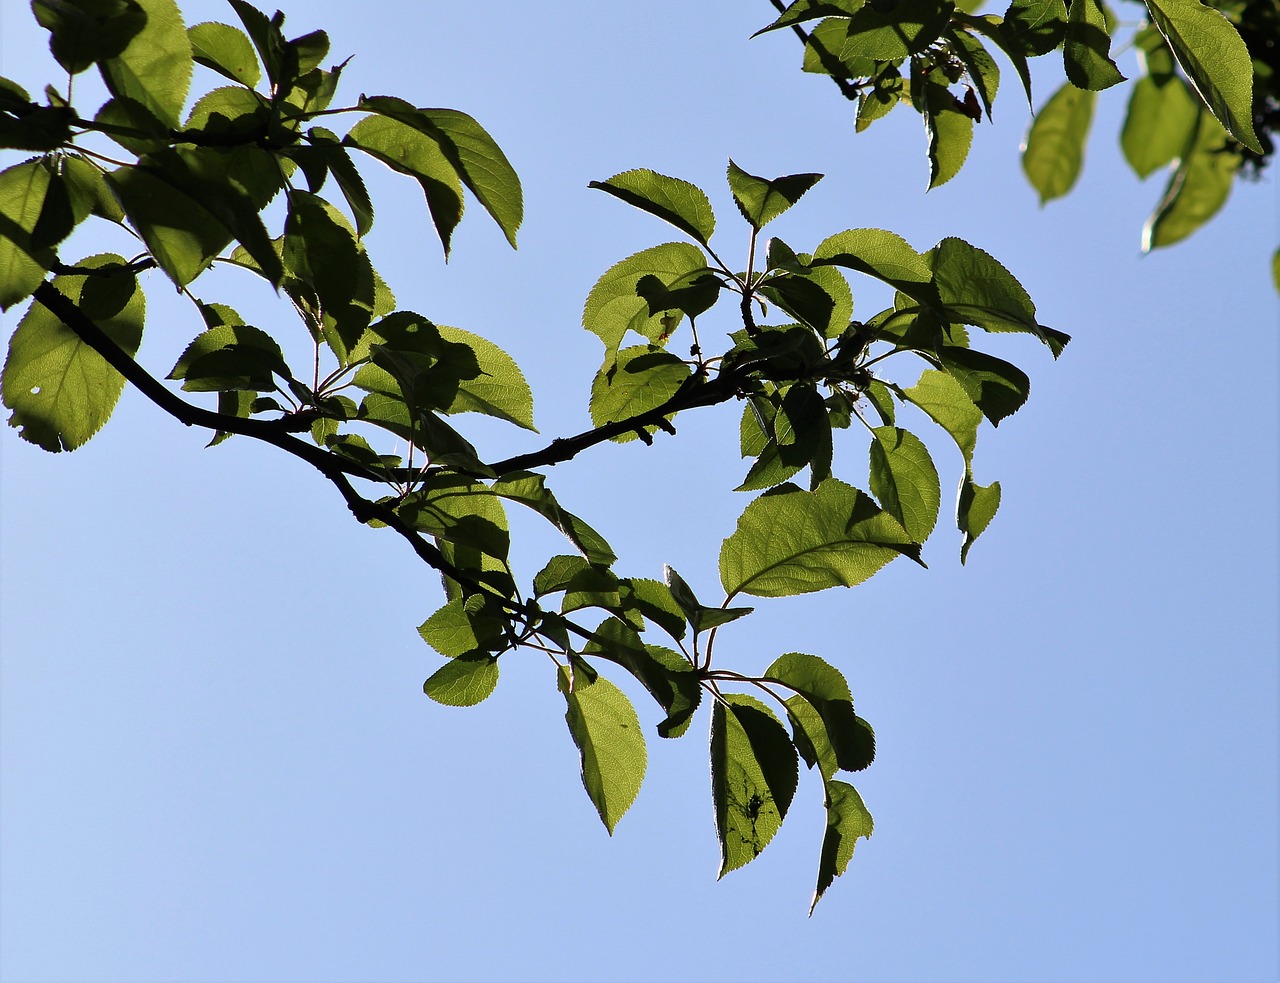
x,y
23,264
847,821
1087,47
904,479
641,379
530,490
464,681
155,67
1197,189
976,508
607,732
682,204
761,200
614,307
948,405
227,50
1053,152
1160,123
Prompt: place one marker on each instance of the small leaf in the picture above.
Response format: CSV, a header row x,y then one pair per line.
x,y
847,821
981,68
949,406
976,508
904,479
607,732
81,34
1087,47
682,204
753,778
227,50
790,541
832,730
61,391
949,131
700,617
1035,27
1215,58
464,681
761,200
23,264
1053,151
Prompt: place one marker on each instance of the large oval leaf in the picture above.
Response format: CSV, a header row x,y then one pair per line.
x,y
614,307
155,67
904,479
682,204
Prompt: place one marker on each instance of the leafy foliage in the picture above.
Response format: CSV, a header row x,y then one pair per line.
x,y
253,179
1202,65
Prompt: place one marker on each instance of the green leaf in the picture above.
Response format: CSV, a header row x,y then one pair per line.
x,y
473,154
996,387
641,379
981,68
155,68
530,490
500,390
949,406
332,158
790,541
991,26
1087,47
798,436
883,255
1198,188
61,391
753,777
322,251
975,289
607,732
1053,152
761,200
1160,123
847,821
832,730
614,307
976,508
461,512
893,29
669,678
803,10
700,617
949,131
682,204
227,50
1215,58
24,189
463,625
653,601
819,297
231,357
905,480
464,681
83,33
1035,27
409,151
266,37
881,97
181,234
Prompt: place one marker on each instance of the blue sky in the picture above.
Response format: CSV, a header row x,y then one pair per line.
x,y
218,763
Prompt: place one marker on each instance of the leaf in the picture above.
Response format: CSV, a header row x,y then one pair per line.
x,y
819,297
847,821
81,34
61,391
823,707
322,251
530,490
155,67
893,29
975,509
408,151
227,50
652,601
181,234
23,263
230,357
700,617
614,307
500,390
1087,47
803,10
949,131
949,406
1053,151
641,379
1215,58
905,480
607,732
991,26
753,778
1198,188
996,387
472,153
975,289
266,37
464,681
1035,27
978,65
883,255
790,541
761,200
682,204
1160,123
668,677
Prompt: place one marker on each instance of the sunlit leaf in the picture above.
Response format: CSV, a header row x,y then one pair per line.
x,y
761,200
905,481
1087,47
1053,152
1198,188
976,508
847,821
682,204
948,405
1160,123
530,490
23,264
227,50
639,380
154,69
614,307
464,681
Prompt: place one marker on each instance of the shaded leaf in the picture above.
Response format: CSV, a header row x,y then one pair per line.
x,y
1035,27
847,821
832,731
668,677
23,263
753,777
682,204
996,387
530,490
641,379
155,67
975,509
83,33
614,306
905,481
607,732
1053,151
1086,48
761,200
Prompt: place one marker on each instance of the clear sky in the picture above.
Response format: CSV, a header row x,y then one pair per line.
x,y
218,763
